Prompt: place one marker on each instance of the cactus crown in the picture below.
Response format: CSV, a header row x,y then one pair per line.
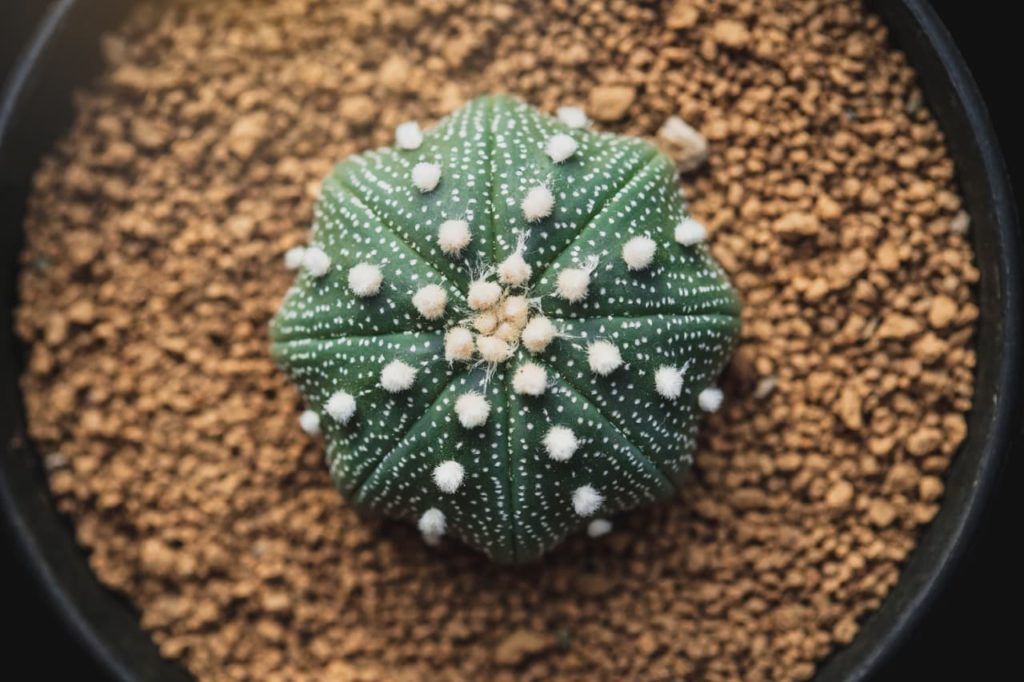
x,y
506,327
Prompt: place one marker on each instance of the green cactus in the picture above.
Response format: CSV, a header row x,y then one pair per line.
x,y
506,327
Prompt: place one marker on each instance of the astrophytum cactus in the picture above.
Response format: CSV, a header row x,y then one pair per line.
x,y
506,327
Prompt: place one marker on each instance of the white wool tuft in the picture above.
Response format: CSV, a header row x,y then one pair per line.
x,y
430,301
408,135
341,406
515,310
293,257
364,280
458,344
472,409
397,376
486,322
690,232
448,476
560,147
599,527
432,523
604,357
309,421
538,203
710,399
483,294
493,349
669,382
453,236
426,176
638,252
530,379
574,117
561,443
514,270
316,262
586,500
573,284
539,332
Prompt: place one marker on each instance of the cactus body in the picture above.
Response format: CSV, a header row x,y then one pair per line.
x,y
503,330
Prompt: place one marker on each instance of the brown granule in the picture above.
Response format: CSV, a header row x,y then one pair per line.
x,y
154,262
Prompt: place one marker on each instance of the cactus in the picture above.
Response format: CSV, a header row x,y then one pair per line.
x,y
506,327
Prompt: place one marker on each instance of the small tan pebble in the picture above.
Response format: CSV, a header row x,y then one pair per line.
x,y
898,326
359,110
827,208
730,33
682,15
839,495
881,513
930,488
850,409
609,103
797,224
520,645
924,441
960,224
942,312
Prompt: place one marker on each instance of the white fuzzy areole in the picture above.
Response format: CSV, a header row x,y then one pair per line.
x,y
458,344
574,117
425,176
483,294
472,409
397,376
514,270
586,500
453,236
690,232
530,379
604,357
538,203
341,406
710,399
560,147
669,382
538,334
316,262
515,310
638,253
364,280
448,476
573,284
430,301
486,322
560,443
432,523
309,421
599,527
493,349
408,135
293,257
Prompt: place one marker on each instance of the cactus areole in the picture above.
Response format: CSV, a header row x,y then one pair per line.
x,y
504,326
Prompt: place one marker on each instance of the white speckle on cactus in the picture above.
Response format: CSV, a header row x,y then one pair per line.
x,y
472,409
364,280
530,379
397,376
560,443
638,252
430,301
483,294
514,270
453,236
408,135
574,117
538,203
599,527
309,421
586,500
316,262
560,147
448,476
432,523
458,344
710,399
669,382
425,176
341,406
493,349
689,232
293,257
604,357
539,332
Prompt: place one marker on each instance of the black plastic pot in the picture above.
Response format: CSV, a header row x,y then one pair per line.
x,y
35,109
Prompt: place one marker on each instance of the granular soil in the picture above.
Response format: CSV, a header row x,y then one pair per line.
x,y
154,261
